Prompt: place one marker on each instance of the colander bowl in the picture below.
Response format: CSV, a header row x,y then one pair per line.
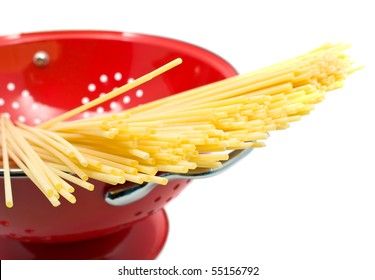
x,y
45,74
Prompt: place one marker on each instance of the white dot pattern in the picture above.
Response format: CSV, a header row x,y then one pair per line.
x,y
25,93
85,100
118,76
103,78
16,105
11,86
86,115
113,105
22,118
126,100
139,93
26,110
91,87
100,110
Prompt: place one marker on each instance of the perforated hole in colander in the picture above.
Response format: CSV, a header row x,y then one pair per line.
x,y
138,213
11,86
19,104
118,76
105,84
14,236
103,78
15,103
5,223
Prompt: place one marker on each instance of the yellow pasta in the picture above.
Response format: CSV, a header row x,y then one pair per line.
x,y
7,182
182,132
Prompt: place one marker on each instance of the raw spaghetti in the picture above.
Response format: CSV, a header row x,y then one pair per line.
x,y
188,130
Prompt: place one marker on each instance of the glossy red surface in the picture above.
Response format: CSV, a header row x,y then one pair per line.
x,y
141,241
84,64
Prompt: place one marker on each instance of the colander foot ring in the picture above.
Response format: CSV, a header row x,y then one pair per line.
x,y
142,241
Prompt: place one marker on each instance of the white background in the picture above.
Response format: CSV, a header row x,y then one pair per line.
x,y
304,206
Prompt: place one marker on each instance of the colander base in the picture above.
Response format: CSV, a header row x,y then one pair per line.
x,y
141,241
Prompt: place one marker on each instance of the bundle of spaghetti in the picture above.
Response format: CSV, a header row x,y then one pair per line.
x,y
185,131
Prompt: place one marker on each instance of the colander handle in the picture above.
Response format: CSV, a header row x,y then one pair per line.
x,y
130,194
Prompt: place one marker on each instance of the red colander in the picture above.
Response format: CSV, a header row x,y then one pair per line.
x,y
45,74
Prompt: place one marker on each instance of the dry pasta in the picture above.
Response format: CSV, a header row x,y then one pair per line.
x,y
189,130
